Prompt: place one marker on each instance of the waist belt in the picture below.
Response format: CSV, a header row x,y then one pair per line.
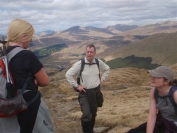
x,y
96,88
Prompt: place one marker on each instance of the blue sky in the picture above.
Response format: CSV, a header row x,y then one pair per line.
x,y
59,15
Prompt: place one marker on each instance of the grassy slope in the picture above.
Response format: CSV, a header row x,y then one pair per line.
x,y
161,47
132,61
126,101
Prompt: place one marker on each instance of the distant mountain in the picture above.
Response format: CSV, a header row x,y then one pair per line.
x,y
75,29
104,30
85,33
86,30
112,43
110,30
47,33
162,27
122,28
80,34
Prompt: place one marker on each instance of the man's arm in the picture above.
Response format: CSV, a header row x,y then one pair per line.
x,y
105,68
72,72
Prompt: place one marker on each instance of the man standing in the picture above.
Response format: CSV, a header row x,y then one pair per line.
x,y
88,86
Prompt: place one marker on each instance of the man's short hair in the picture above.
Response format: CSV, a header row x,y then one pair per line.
x,y
91,46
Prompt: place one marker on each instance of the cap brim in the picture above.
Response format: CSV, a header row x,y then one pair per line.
x,y
154,73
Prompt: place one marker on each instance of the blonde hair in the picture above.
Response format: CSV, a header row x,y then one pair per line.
x,y
19,31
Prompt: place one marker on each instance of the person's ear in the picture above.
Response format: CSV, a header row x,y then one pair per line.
x,y
167,82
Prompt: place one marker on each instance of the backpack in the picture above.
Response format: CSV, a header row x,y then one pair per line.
x,y
11,105
83,63
170,95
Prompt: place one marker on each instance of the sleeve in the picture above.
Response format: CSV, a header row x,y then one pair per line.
x,y
72,72
105,68
31,62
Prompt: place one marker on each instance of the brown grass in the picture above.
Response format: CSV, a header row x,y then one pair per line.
x,y
126,101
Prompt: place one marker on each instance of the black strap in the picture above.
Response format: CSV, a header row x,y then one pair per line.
x,y
24,88
97,62
25,84
156,94
171,94
34,99
82,66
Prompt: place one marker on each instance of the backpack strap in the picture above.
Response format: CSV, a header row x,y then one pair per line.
x,y
171,96
10,55
24,88
156,94
82,66
13,52
97,62
81,69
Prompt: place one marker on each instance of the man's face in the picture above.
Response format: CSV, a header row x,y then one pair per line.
x,y
90,54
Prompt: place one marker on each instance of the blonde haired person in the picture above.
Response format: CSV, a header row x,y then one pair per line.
x,y
36,118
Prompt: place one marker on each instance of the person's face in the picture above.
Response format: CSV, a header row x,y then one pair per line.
x,y
90,54
158,82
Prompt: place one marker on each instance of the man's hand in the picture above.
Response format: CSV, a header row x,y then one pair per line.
x,y
81,88
101,82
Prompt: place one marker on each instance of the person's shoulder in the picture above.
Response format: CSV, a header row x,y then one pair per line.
x,y
98,60
77,63
27,53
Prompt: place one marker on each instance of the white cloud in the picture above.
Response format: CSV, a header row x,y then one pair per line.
x,y
62,14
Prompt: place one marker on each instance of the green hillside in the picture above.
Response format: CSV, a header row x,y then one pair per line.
x,y
160,47
47,51
132,61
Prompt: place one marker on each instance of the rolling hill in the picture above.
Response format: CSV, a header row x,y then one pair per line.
x,y
157,41
161,27
160,47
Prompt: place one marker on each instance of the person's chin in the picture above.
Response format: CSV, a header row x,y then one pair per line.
x,y
153,85
89,59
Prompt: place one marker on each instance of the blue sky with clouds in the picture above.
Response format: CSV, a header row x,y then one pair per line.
x,y
59,15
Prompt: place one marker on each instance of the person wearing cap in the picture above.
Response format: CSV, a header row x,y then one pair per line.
x,y
162,80
162,117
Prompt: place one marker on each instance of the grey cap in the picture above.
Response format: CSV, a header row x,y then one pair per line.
x,y
163,71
